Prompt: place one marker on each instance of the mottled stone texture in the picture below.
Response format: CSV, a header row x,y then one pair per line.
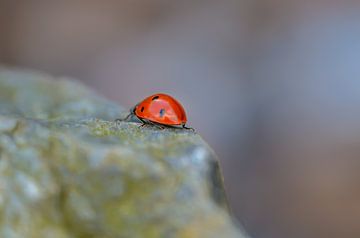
x,y
67,170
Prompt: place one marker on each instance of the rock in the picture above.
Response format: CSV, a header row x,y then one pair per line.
x,y
67,170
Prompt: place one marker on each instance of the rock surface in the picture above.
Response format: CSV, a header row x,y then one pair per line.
x,y
67,170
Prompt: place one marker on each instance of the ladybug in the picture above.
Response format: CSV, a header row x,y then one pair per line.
x,y
159,110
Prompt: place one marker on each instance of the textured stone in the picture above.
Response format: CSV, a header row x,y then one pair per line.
x,y
68,170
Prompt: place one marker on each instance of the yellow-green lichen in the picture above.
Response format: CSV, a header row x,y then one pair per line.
x,y
67,170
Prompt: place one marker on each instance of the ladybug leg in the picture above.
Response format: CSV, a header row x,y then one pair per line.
x,y
143,123
188,128
156,125
147,122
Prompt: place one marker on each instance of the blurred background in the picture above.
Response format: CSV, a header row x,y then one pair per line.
x,y
272,85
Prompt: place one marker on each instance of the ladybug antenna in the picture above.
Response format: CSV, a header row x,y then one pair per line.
x,y
127,117
131,113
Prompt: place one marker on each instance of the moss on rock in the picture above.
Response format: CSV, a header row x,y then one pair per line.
x,y
68,170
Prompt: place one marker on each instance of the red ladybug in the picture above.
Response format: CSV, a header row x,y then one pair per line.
x,y
160,110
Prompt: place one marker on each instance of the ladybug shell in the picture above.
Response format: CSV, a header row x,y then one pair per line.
x,y
162,109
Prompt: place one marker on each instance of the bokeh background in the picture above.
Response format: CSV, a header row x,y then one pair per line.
x,y
272,85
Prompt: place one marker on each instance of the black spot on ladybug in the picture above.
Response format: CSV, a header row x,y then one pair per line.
x,y
154,98
142,109
162,112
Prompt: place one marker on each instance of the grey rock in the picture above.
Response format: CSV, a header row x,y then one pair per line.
x,y
68,170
